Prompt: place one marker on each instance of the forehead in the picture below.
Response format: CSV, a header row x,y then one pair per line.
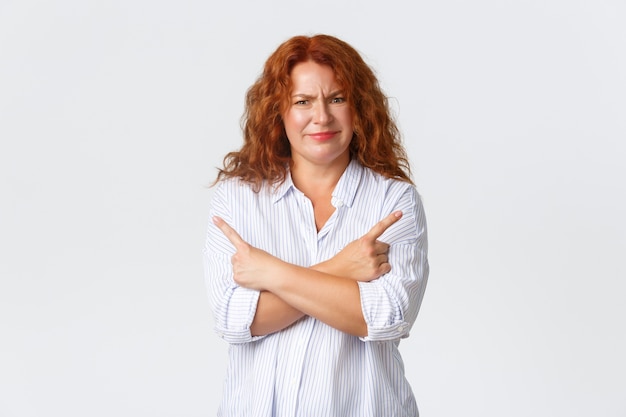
x,y
310,75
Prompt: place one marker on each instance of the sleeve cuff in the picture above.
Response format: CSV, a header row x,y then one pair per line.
x,y
235,326
384,319
396,331
236,337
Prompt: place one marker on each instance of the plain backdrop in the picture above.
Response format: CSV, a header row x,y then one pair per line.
x,y
115,114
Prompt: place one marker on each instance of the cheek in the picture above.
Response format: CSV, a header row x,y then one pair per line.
x,y
294,121
348,124
345,116
290,125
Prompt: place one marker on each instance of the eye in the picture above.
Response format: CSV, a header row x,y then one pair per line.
x,y
338,100
302,102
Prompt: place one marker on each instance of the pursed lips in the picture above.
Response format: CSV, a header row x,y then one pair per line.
x,y
323,135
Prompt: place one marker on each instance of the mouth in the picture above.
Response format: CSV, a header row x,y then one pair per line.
x,y
322,136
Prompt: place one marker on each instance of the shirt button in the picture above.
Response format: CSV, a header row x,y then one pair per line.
x,y
336,202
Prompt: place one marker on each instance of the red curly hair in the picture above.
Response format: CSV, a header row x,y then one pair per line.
x,y
266,153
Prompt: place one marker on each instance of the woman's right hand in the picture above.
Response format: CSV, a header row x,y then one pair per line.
x,y
364,259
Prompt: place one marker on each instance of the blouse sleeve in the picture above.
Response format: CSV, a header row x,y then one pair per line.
x,y
233,307
390,303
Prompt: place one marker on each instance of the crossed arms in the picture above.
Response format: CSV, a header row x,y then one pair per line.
x,y
327,291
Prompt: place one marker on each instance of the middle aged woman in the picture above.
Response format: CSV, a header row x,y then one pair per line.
x,y
310,287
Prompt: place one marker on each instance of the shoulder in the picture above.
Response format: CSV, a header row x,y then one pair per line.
x,y
391,191
373,179
235,191
238,186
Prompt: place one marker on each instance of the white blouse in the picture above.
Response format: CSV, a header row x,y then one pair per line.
x,y
310,368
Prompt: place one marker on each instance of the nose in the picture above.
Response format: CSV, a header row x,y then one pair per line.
x,y
322,114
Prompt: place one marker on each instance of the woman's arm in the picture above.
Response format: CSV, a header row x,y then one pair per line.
x,y
327,291
273,314
391,303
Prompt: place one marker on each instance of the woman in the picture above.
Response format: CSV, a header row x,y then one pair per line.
x,y
316,259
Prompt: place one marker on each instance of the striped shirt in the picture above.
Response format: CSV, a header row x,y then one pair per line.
x,y
310,368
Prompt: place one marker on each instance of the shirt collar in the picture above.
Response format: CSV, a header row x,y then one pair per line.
x,y
345,190
279,191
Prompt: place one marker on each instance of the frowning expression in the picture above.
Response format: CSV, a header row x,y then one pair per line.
x,y
318,121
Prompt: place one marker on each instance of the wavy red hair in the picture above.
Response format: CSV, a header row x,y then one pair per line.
x,y
266,154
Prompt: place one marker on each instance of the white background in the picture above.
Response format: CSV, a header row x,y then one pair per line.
x,y
114,115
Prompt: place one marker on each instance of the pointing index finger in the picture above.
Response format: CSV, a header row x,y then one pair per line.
x,y
229,232
380,227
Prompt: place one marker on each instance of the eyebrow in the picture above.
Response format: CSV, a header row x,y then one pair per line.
x,y
308,96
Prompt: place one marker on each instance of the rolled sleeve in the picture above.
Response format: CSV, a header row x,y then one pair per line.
x,y
233,307
384,319
390,303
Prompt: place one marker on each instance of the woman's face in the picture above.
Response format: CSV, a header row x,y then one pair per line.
x,y
318,121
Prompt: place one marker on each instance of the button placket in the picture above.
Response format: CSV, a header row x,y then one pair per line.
x,y
299,356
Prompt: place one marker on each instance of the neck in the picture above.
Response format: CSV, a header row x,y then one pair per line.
x,y
317,180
